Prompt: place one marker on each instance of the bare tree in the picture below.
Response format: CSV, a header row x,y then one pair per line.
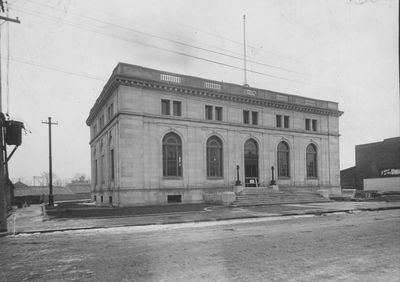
x,y
46,179
81,177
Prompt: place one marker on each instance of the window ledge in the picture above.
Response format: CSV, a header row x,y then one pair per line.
x,y
215,177
172,177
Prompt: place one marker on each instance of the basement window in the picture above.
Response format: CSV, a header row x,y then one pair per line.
x,y
174,198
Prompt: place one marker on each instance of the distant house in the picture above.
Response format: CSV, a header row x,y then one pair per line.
x,y
9,188
19,184
39,194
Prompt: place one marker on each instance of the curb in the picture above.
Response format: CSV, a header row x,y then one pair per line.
x,y
315,213
6,233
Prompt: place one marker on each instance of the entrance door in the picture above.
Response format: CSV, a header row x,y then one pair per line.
x,y
251,163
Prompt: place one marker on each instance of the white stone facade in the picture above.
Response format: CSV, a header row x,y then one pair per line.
x,y
128,126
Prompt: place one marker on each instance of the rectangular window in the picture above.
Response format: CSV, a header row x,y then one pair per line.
x,y
278,121
94,130
254,118
109,113
111,110
209,112
307,124
165,104
174,198
246,117
177,108
112,163
218,113
286,121
314,125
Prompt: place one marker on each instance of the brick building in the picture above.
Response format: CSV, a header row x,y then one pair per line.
x,y
159,137
373,160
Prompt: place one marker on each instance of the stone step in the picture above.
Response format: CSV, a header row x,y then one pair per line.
x,y
277,198
282,200
259,190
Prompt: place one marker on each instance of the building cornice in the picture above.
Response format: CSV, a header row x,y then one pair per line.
x,y
132,81
225,96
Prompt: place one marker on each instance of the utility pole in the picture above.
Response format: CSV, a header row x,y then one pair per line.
x,y
51,197
3,174
244,51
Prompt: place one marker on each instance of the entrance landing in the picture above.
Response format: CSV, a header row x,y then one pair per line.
x,y
267,196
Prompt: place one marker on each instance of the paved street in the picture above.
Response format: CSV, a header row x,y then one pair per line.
x,y
364,246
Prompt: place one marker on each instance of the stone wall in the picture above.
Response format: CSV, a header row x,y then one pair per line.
x,y
136,130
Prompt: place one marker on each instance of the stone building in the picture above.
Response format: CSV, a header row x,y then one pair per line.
x,y
160,137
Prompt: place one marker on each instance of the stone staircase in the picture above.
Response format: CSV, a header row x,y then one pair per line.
x,y
265,196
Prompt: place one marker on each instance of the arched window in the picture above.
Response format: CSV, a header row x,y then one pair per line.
x,y
311,160
214,157
95,176
283,159
102,164
172,155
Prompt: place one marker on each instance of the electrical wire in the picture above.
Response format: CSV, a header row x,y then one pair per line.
x,y
80,26
40,65
167,39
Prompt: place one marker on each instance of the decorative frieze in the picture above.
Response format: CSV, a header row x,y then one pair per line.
x,y
281,101
231,97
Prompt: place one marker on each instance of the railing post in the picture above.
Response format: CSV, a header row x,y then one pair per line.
x,y
238,183
273,182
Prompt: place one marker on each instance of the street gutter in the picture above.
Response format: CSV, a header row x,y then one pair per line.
x,y
283,216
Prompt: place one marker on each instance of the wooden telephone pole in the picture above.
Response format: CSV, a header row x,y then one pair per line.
x,y
51,197
3,174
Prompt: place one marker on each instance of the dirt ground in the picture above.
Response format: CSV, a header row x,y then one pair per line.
x,y
364,246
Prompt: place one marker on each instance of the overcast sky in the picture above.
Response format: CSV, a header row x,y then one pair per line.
x,y
63,52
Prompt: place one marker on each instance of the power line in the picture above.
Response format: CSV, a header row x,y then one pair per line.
x,y
168,39
212,34
80,26
40,65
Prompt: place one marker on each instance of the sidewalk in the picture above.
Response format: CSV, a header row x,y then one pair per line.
x,y
32,219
